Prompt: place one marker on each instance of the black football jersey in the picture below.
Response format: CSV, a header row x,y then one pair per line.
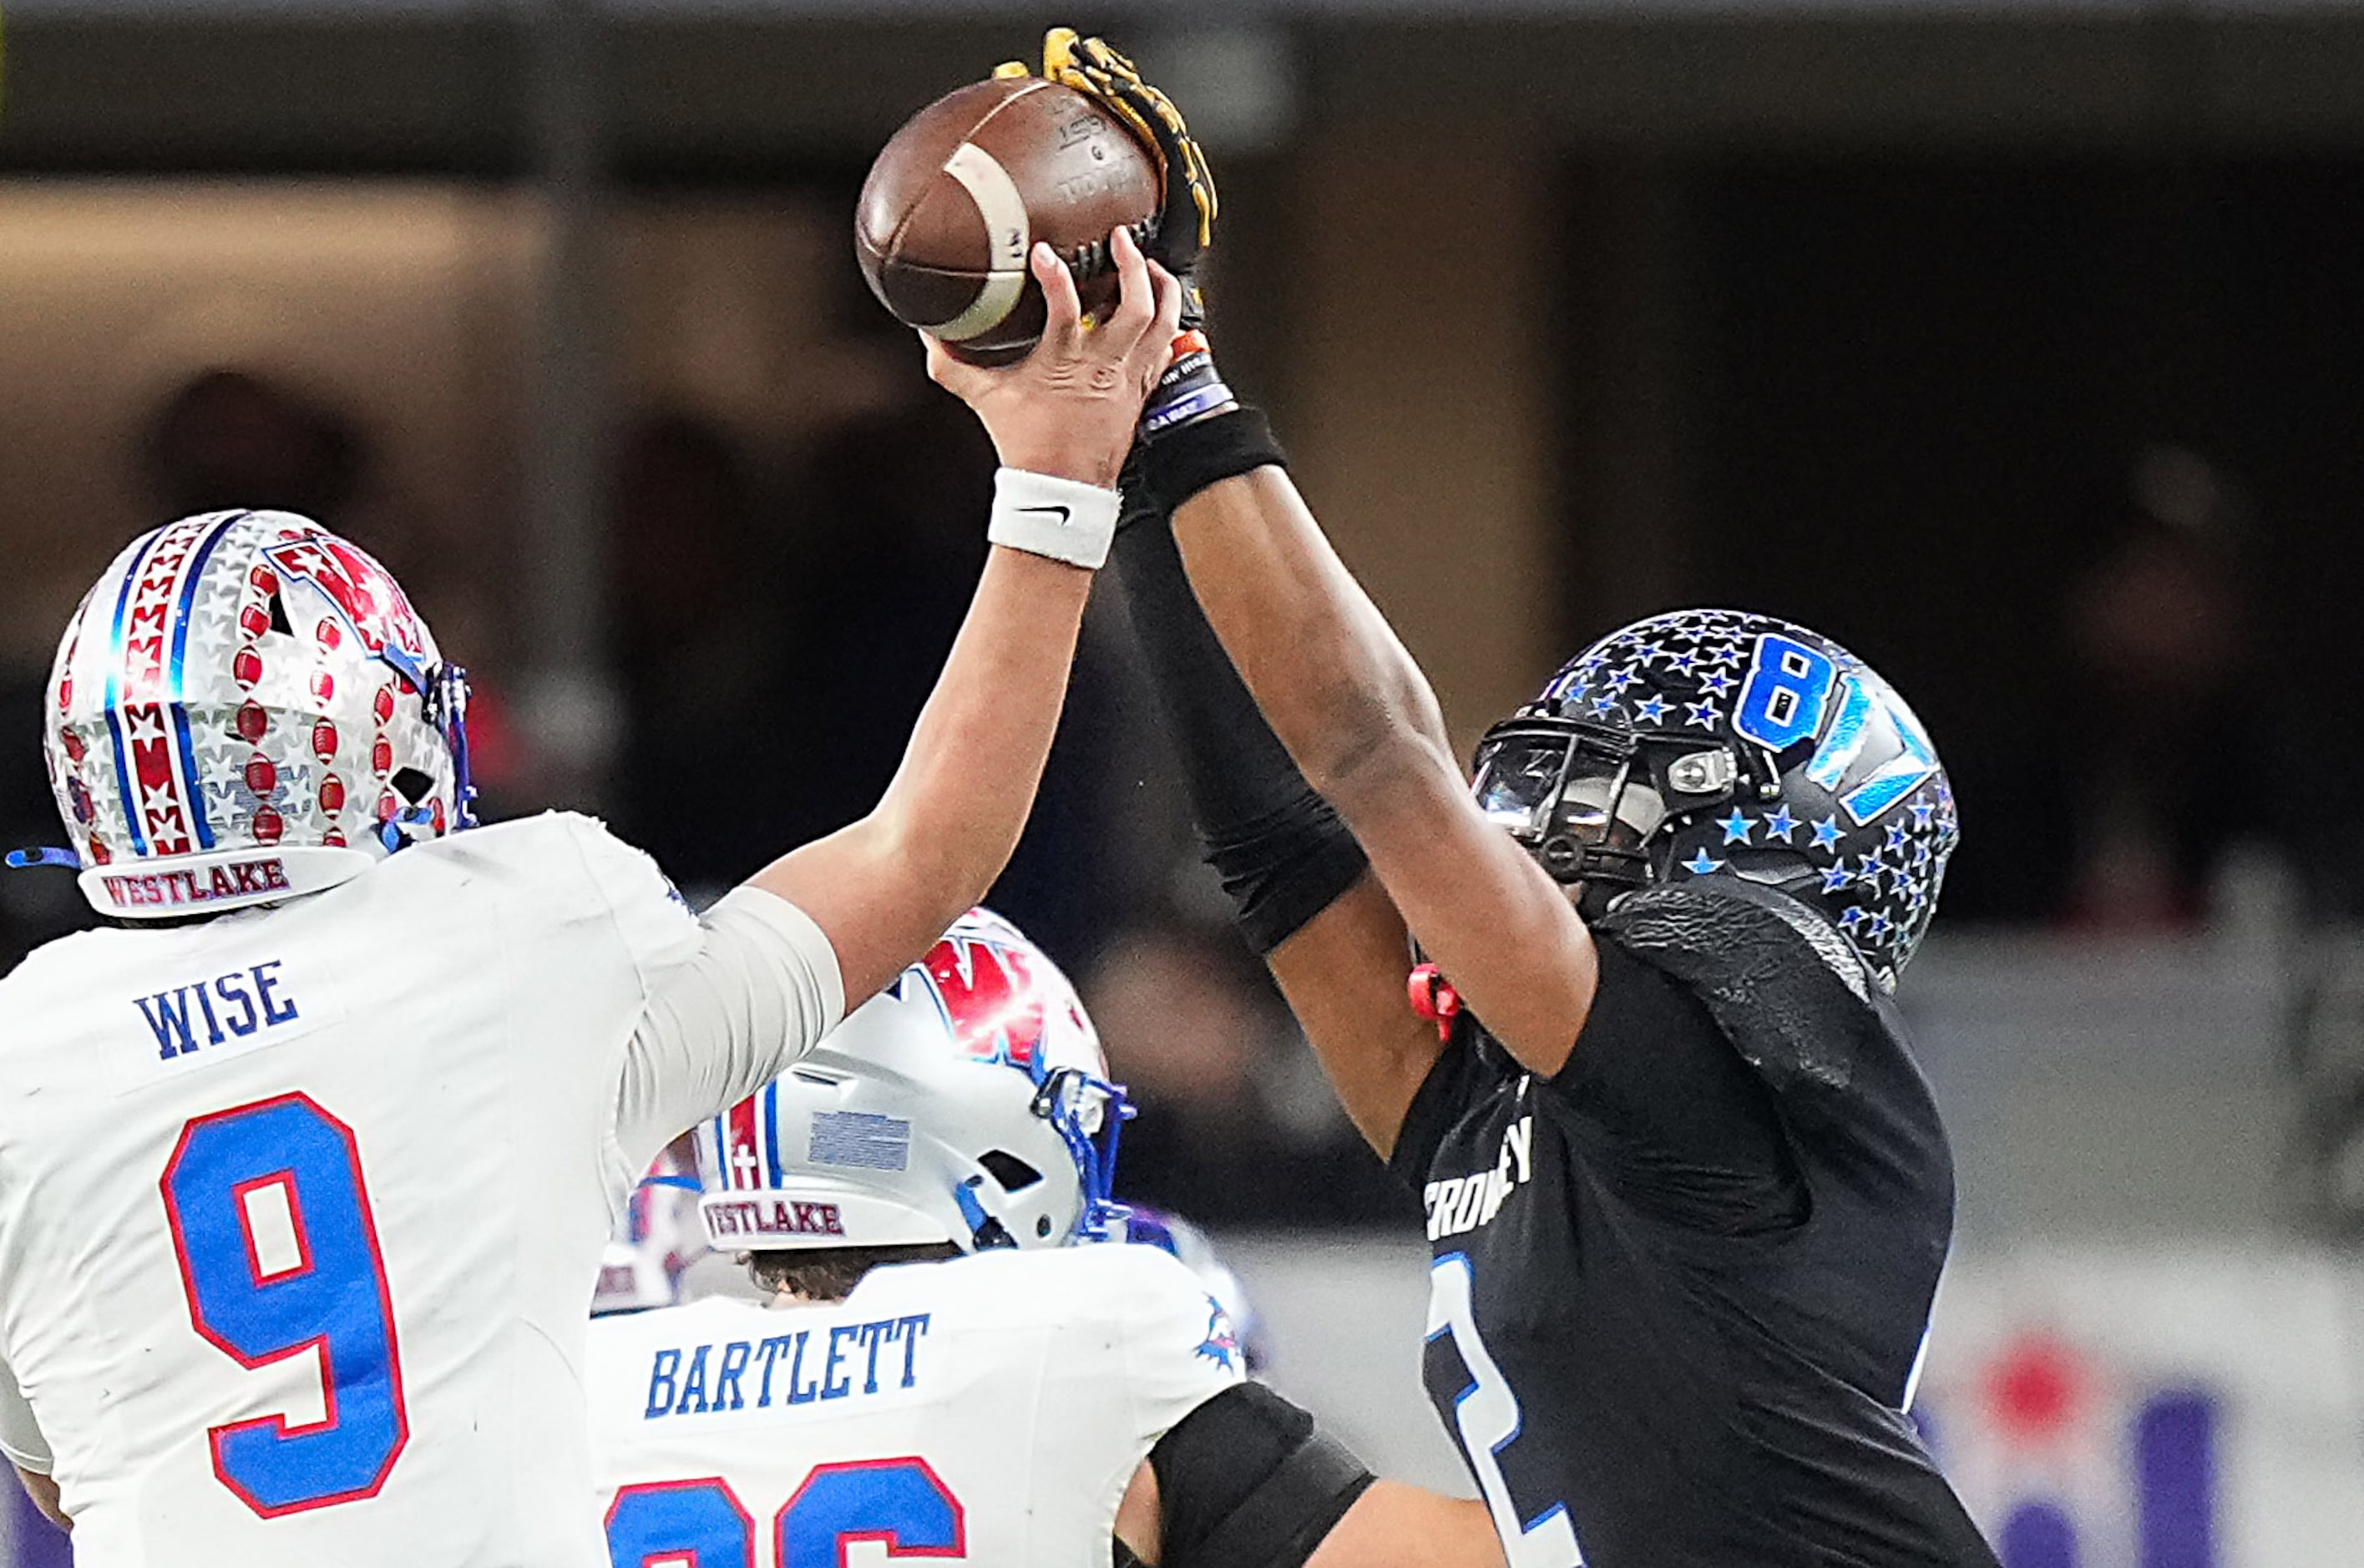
x,y
1681,1289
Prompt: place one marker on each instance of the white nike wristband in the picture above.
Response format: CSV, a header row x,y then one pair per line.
x,y
1063,519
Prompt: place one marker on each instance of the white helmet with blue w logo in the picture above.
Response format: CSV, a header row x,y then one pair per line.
x,y
967,1102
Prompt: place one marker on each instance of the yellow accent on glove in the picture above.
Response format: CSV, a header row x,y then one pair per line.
x,y
1009,69
1091,66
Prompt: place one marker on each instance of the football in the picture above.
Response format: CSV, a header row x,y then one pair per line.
x,y
960,195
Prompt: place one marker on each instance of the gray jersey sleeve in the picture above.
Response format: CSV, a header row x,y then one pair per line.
x,y
20,1435
760,991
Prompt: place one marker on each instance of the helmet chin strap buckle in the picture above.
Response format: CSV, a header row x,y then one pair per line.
x,y
985,1232
25,859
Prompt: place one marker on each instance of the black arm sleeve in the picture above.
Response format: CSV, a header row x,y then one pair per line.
x,y
1245,1481
1281,853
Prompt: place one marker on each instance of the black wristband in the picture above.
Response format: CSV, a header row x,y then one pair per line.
x,y
1281,852
1181,461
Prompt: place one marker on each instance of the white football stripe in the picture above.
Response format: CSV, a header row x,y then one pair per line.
x,y
1007,230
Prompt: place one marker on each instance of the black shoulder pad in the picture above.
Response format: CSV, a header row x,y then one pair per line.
x,y
1781,984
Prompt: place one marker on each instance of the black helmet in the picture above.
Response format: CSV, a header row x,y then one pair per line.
x,y
1722,743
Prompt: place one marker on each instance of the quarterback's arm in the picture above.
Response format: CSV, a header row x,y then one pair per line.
x,y
1359,718
1396,1526
27,1451
43,1490
884,888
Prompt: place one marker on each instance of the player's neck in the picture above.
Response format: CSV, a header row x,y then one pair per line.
x,y
785,1298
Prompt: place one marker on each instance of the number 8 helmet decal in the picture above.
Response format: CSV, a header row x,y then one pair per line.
x,y
968,1102
246,709
1723,743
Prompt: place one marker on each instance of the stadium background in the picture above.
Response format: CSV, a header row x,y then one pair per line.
x,y
2015,345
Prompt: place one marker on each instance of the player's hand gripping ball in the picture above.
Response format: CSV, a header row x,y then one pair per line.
x,y
962,194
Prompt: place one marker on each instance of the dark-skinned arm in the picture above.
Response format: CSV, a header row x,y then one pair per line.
x,y
1361,722
1300,885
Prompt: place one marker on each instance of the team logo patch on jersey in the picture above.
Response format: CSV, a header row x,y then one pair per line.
x,y
1221,1344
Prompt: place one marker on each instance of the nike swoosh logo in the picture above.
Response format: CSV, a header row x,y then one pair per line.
x,y
1062,512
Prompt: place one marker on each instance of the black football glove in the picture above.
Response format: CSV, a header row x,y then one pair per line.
x,y
1186,222
1192,388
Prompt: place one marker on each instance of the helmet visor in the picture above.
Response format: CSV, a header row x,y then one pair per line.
x,y
1520,775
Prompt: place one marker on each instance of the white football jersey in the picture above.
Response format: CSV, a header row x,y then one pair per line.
x,y
990,1409
300,1208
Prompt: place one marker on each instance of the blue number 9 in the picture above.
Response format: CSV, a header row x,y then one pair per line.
x,y
331,1296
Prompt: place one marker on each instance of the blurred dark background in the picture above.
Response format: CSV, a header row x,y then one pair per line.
x,y
2015,345
2012,346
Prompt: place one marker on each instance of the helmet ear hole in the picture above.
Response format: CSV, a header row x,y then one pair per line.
x,y
412,783
1014,1174
279,621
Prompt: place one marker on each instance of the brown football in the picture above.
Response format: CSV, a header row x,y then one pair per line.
x,y
960,195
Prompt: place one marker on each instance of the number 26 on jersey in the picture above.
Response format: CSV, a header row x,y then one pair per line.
x,y
702,1524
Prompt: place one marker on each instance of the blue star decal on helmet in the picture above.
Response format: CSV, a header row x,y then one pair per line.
x,y
1679,678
